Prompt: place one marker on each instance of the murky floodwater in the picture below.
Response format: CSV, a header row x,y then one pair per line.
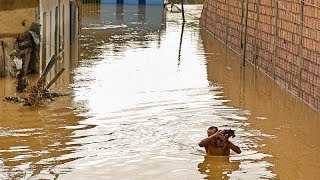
x,y
142,101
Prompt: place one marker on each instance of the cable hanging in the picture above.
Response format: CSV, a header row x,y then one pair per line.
x,y
297,17
309,4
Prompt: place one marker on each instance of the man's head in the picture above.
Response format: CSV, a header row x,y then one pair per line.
x,y
212,130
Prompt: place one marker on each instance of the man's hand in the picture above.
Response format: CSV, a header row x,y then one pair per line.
x,y
225,138
207,140
216,136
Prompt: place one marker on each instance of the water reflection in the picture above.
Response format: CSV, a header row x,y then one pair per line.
x,y
119,27
108,16
218,167
180,44
286,119
36,140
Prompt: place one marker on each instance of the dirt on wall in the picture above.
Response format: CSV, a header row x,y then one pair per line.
x,y
6,5
283,39
16,16
17,21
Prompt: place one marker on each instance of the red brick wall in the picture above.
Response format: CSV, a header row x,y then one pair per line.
x,y
275,51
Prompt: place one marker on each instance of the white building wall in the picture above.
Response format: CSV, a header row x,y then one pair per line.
x,y
49,46
64,22
65,33
47,21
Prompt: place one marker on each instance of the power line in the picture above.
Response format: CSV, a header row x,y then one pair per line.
x,y
309,4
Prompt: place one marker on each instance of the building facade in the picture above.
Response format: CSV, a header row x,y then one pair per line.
x,y
52,27
60,28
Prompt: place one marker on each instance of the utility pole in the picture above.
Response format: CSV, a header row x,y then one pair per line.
x,y
245,35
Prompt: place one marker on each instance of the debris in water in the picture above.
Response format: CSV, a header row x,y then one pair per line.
x,y
27,101
39,92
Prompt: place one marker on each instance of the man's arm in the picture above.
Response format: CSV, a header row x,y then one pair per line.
x,y
234,147
207,140
230,145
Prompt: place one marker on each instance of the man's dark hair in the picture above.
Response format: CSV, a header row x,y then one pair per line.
x,y
212,127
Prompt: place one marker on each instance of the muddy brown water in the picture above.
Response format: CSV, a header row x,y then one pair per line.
x,y
139,108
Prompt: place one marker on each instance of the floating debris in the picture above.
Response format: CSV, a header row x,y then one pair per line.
x,y
39,92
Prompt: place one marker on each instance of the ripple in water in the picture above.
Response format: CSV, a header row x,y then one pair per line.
x,y
150,111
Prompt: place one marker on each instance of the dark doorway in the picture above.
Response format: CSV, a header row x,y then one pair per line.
x,y
73,21
44,41
56,33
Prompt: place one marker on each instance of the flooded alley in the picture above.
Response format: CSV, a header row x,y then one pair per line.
x,y
143,95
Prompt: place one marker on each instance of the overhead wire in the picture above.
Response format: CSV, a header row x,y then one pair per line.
x,y
297,17
309,4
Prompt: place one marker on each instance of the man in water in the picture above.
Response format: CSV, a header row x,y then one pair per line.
x,y
218,144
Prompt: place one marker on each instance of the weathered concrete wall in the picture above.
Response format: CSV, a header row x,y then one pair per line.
x,y
283,41
59,31
6,47
6,5
60,22
48,22
16,21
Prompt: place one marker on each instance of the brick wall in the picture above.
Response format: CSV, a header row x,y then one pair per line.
x,y
282,41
